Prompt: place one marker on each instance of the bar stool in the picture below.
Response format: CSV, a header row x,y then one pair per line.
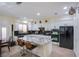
x,y
20,42
28,45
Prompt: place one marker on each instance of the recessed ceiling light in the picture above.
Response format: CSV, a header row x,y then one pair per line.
x,y
65,7
38,14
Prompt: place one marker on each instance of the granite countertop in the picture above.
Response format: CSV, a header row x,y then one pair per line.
x,y
37,39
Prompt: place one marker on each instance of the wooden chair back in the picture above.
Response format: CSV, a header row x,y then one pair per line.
x,y
28,45
20,42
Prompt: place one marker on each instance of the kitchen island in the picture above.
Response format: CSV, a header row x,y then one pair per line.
x,y
43,42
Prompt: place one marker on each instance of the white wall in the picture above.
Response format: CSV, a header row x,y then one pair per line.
x,y
76,34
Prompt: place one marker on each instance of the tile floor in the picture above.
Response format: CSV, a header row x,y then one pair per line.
x,y
56,51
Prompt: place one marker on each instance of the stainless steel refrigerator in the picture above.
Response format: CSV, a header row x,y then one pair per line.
x,y
66,37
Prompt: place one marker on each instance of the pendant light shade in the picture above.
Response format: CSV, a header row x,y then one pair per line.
x,y
46,21
40,21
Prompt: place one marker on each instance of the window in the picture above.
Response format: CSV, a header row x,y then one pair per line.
x,y
23,27
4,33
20,27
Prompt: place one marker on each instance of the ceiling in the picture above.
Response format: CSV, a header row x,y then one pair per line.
x,y
30,9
